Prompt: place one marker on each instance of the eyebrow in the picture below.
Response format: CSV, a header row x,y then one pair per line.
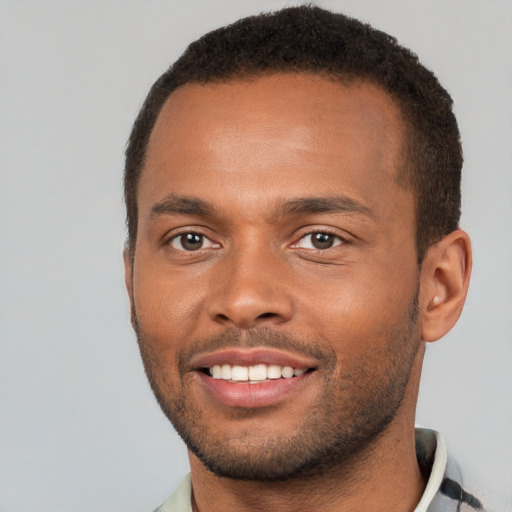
x,y
180,205
183,205
331,204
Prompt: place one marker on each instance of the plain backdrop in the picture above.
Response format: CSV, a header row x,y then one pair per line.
x,y
79,428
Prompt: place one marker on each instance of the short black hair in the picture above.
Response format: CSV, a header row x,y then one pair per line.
x,y
308,39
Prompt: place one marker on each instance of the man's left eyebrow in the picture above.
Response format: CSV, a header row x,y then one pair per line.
x,y
331,204
182,205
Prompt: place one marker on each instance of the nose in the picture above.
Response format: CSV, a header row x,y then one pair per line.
x,y
251,290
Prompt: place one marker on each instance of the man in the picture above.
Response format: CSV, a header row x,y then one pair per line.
x,y
292,186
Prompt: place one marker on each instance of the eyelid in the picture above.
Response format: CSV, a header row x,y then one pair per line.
x,y
175,235
207,243
313,248
309,231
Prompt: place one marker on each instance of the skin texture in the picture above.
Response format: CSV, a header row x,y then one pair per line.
x,y
234,164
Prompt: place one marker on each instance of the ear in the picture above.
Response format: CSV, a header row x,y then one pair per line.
x,y
128,270
128,279
444,282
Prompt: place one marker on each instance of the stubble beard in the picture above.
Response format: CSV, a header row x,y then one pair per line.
x,y
356,406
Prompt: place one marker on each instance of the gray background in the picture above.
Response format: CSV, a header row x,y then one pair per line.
x,y
79,428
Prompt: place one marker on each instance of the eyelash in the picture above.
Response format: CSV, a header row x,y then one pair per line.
x,y
337,239
179,239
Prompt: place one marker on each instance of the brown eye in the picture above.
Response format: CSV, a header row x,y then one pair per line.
x,y
322,240
191,241
319,240
188,242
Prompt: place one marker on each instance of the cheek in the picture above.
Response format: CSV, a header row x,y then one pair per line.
x,y
166,305
357,310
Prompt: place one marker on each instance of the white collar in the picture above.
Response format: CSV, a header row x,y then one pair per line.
x,y
436,475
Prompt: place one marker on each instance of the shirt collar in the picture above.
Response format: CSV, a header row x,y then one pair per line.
x,y
444,491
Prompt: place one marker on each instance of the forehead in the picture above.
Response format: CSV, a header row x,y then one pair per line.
x,y
288,132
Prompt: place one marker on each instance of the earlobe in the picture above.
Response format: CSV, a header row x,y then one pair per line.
x,y
445,274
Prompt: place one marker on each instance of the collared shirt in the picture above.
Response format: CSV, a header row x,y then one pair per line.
x,y
443,492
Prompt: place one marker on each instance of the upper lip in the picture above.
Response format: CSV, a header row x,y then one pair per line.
x,y
251,357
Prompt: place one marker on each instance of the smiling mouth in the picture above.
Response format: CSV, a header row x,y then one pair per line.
x,y
253,374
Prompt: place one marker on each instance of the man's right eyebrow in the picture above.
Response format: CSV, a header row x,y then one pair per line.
x,y
173,204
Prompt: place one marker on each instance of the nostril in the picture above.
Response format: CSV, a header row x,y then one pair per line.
x,y
245,310
267,315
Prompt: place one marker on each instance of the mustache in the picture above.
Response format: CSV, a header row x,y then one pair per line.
x,y
263,337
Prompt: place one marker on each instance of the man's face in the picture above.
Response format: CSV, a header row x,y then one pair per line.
x,y
274,240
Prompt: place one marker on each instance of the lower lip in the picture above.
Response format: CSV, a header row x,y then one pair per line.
x,y
260,394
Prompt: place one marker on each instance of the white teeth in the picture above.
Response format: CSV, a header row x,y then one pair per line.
x,y
287,372
273,371
226,372
256,373
239,373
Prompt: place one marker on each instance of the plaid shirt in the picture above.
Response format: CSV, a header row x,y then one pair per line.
x,y
443,492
